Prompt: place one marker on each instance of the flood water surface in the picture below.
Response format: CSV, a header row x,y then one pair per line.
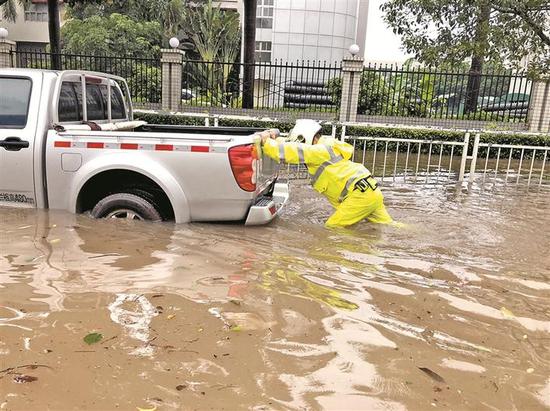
x,y
451,311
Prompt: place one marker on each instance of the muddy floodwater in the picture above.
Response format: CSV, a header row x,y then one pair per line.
x,y
450,312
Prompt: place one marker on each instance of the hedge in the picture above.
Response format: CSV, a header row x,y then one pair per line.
x,y
154,118
367,131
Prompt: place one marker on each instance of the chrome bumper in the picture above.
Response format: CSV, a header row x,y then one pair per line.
x,y
267,208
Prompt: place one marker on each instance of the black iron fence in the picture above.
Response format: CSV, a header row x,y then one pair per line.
x,y
278,87
313,88
500,96
144,75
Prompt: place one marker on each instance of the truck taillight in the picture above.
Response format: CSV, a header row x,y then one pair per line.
x,y
243,163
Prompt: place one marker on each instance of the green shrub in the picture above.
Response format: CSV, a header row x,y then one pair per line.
x,y
145,83
166,118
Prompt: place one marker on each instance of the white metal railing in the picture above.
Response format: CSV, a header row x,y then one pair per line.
x,y
434,161
529,160
413,158
439,160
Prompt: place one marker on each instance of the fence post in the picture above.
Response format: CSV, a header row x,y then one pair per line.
x,y
474,158
333,130
539,107
6,49
343,134
172,69
464,157
352,68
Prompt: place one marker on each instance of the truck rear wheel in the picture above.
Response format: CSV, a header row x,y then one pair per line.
x,y
126,206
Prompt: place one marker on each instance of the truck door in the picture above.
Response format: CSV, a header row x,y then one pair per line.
x,y
19,109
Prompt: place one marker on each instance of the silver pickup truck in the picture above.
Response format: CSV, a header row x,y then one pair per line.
x,y
57,152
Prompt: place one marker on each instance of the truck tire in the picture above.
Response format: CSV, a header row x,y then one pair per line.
x,y
126,206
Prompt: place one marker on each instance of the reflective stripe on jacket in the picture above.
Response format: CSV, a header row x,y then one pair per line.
x,y
328,162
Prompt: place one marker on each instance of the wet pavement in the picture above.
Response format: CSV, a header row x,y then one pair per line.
x,y
451,312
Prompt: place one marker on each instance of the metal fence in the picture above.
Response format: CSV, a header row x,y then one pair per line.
x,y
144,75
285,89
431,161
419,93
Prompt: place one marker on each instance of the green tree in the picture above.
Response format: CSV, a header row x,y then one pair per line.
x,y
116,34
503,32
168,13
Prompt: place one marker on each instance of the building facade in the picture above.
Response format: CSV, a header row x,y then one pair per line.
x,y
315,30
310,30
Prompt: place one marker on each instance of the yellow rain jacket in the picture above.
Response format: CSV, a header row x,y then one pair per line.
x,y
333,175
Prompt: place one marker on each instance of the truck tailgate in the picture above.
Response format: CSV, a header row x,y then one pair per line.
x,y
268,170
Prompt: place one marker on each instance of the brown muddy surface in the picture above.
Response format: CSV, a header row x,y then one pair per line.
x,y
452,312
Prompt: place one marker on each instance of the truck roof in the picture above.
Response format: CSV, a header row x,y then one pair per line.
x,y
60,72
24,70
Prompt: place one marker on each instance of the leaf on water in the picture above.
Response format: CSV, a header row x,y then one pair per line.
x,y
506,313
236,328
433,375
21,378
169,317
147,409
55,241
93,338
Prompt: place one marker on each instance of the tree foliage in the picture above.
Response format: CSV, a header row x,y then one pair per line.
x,y
9,8
451,31
168,13
115,34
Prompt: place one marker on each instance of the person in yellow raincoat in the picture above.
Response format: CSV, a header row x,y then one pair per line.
x,y
348,186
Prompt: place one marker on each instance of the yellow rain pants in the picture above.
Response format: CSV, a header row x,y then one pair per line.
x,y
358,206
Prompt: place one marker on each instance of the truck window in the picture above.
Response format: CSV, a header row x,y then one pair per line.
x,y
118,110
97,108
15,94
70,107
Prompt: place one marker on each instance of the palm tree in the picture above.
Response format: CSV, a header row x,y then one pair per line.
x,y
9,8
214,36
9,11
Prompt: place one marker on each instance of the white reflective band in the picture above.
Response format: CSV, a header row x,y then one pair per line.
x,y
107,145
301,154
332,154
349,183
323,166
281,152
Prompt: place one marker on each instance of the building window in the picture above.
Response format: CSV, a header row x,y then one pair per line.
x,y
36,12
264,14
263,52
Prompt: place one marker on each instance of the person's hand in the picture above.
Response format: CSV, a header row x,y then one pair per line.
x,y
269,134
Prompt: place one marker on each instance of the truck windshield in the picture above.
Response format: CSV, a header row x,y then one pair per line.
x,y
15,94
